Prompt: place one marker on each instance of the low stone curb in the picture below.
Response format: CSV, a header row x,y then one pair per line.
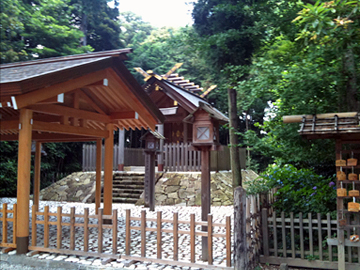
x,y
46,264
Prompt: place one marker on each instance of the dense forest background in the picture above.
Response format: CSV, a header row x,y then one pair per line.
x,y
282,57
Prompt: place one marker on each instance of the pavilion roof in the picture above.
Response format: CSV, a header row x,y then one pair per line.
x,y
74,97
345,126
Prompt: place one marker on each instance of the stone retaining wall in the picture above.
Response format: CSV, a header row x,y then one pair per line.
x,y
185,188
171,188
76,187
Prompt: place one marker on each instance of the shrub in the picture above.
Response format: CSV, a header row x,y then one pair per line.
x,y
299,190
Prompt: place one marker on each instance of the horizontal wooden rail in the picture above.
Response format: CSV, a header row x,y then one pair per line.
x,y
175,231
59,215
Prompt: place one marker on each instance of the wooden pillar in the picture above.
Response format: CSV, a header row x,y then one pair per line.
x,y
240,240
150,180
161,149
98,175
186,132
23,181
121,149
108,169
37,171
205,196
340,209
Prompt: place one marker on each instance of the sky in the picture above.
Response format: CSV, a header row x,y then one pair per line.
x,y
160,13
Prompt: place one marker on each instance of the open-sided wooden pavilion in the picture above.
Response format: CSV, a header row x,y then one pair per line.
x,y
69,99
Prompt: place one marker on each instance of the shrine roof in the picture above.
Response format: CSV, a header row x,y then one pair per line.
x,y
345,126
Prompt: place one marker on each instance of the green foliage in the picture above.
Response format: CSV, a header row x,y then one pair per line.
x,y
8,168
298,190
38,29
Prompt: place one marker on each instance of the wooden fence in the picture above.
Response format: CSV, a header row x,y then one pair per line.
x,y
133,157
304,241
8,216
85,234
179,228
66,224
176,156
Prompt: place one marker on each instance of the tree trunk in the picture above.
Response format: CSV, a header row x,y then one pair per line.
x,y
240,239
234,149
83,28
352,100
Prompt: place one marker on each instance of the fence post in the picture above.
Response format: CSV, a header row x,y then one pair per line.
x,y
240,246
265,232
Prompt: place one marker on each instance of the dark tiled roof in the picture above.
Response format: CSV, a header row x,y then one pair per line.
x,y
23,72
19,71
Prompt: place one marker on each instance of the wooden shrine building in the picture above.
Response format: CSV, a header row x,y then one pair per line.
x,y
69,99
344,128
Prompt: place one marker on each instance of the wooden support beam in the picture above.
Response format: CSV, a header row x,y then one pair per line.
x,y
56,99
46,137
23,181
65,129
98,175
121,154
108,169
124,115
298,118
63,110
11,124
37,170
205,196
33,97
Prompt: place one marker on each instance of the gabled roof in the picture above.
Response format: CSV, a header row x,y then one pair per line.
x,y
83,92
190,101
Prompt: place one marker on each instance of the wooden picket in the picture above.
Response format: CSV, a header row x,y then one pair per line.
x,y
176,231
8,215
72,225
299,241
177,157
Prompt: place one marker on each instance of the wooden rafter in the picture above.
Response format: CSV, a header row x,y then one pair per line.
x,y
63,110
33,97
90,101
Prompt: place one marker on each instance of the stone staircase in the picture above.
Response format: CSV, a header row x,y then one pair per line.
x,y
127,187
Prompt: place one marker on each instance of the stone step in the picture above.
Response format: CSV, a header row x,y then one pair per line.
x,y
123,193
137,181
124,200
127,195
127,186
120,176
127,190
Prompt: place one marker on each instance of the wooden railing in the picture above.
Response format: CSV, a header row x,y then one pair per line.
x,y
177,229
176,156
7,216
87,235
181,157
305,241
73,222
